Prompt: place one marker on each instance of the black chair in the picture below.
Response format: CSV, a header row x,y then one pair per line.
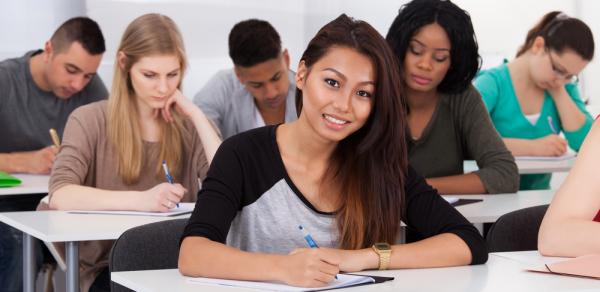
x,y
517,230
147,247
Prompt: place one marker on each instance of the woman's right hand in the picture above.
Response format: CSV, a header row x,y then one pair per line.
x,y
310,267
161,198
551,145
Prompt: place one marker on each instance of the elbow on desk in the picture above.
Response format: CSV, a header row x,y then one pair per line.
x,y
55,199
549,241
190,263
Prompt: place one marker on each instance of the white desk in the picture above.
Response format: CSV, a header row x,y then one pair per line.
x,y
59,226
531,166
498,274
494,206
56,226
31,184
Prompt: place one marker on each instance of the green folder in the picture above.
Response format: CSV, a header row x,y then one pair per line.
x,y
7,180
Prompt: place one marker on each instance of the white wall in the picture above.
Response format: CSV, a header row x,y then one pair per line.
x,y
27,24
499,25
205,25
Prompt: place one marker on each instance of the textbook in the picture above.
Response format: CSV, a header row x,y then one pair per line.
x,y
184,208
7,180
584,266
342,281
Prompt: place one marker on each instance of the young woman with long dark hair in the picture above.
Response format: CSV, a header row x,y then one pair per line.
x,y
341,171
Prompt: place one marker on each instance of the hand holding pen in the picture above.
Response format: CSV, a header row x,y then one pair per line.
x,y
311,242
168,176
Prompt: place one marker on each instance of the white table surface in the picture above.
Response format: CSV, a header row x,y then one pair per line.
x,y
61,226
498,274
31,184
531,166
494,206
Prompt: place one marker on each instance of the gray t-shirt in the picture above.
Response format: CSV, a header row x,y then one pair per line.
x,y
27,112
231,107
460,129
249,202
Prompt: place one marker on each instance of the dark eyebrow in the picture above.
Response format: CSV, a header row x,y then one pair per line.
x,y
343,77
562,68
276,75
74,67
435,49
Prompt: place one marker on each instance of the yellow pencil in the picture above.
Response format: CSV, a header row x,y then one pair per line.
x,y
54,137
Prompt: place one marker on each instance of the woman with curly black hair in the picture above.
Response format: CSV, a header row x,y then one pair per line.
x,y
448,123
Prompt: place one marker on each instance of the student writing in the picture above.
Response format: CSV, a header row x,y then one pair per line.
x,y
112,151
341,169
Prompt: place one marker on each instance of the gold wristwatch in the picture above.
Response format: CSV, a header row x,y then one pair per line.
x,y
384,251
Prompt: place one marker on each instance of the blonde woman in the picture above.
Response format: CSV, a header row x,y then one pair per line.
x,y
112,152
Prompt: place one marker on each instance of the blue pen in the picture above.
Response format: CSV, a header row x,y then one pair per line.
x,y
551,124
168,175
311,242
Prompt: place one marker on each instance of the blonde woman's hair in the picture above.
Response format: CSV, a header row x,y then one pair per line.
x,y
148,35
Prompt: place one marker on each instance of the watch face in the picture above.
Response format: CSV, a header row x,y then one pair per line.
x,y
382,246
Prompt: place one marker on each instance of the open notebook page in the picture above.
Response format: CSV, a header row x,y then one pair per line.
x,y
183,208
343,280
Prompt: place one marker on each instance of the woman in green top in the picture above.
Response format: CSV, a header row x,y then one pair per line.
x,y
534,97
448,123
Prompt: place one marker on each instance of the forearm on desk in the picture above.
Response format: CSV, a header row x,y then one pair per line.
x,y
519,147
77,197
569,237
14,161
442,250
469,183
202,257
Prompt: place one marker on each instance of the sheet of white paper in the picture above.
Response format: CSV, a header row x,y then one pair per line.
x,y
183,208
566,156
343,280
451,200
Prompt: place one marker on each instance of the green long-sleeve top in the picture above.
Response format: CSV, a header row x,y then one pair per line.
x,y
460,129
497,91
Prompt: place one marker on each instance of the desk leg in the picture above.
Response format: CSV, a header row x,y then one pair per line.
x,y
72,257
28,263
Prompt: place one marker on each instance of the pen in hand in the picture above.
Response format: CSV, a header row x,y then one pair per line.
x,y
551,124
168,175
311,242
54,137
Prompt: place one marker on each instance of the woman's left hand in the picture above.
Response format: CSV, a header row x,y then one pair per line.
x,y
181,104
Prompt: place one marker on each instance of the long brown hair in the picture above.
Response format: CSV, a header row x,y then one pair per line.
x,y
369,166
562,32
147,35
